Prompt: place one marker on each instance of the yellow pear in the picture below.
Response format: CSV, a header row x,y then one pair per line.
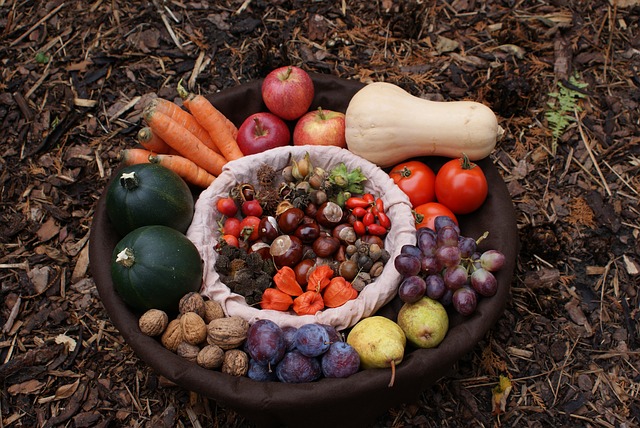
x,y
380,343
425,322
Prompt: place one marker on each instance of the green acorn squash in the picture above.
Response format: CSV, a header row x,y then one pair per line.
x,y
153,267
148,194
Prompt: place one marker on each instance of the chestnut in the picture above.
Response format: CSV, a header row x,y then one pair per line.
x,y
289,220
345,233
326,245
372,239
286,250
329,214
268,229
302,270
308,232
261,248
348,269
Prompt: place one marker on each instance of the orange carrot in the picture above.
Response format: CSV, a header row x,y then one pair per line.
x,y
134,156
214,121
151,141
186,99
184,142
185,168
185,119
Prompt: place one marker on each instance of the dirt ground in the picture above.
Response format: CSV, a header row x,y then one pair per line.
x,y
562,76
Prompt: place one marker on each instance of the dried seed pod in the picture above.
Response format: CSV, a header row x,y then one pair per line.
x,y
376,269
194,329
228,332
210,357
236,362
358,284
153,322
365,263
192,302
172,336
375,252
188,351
212,311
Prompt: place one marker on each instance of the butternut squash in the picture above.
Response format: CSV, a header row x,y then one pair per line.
x,y
387,125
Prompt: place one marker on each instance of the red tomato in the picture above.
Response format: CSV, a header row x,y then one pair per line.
x,y
461,186
417,180
250,228
227,207
231,226
427,213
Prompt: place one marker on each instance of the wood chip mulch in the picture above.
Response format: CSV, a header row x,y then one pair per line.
x,y
73,78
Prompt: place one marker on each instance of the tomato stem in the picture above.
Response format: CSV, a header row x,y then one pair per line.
x,y
466,163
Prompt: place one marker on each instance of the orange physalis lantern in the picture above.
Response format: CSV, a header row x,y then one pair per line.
x,y
285,280
272,298
338,292
308,303
319,278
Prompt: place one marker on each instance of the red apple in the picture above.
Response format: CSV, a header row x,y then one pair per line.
x,y
288,92
262,131
320,128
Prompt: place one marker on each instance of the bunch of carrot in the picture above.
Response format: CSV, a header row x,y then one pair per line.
x,y
196,143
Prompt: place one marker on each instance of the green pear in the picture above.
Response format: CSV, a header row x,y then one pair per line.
x,y
425,322
380,343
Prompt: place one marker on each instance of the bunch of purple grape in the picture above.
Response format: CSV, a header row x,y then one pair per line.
x,y
446,266
296,355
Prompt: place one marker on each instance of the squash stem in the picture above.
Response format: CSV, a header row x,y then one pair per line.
x,y
126,257
129,180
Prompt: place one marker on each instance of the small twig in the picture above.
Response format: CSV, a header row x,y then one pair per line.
x,y
166,23
593,158
12,316
196,71
37,24
243,6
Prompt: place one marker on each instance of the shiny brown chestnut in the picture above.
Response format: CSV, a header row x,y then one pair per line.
x,y
329,214
326,245
268,229
302,270
372,239
286,250
261,248
289,220
345,233
308,232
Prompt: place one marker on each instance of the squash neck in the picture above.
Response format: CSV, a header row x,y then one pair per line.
x,y
129,180
126,257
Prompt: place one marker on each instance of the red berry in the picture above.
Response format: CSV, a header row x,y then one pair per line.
x,y
251,207
232,226
227,207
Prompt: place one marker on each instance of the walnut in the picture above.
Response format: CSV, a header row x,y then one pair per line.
x,y
153,322
172,336
188,351
192,302
236,362
210,357
228,332
212,311
194,330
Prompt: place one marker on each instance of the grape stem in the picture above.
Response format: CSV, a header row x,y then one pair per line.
x,y
484,236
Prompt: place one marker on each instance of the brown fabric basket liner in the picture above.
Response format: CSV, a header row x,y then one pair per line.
x,y
360,399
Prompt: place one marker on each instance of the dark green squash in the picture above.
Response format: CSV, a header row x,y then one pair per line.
x,y
153,267
148,194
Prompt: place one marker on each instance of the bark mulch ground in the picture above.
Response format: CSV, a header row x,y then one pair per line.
x,y
562,76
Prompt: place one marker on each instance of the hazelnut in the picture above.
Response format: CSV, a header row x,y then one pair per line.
x,y
172,336
194,329
212,311
153,322
228,332
210,357
236,362
376,269
192,302
188,351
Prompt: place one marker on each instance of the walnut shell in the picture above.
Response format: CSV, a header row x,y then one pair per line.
x,y
192,302
212,311
194,330
172,336
153,322
236,362
228,332
188,351
210,357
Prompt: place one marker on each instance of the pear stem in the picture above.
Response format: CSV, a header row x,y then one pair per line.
x,y
393,373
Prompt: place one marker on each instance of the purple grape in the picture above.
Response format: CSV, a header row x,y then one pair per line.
x,y
447,237
407,264
298,368
464,301
261,372
448,256
426,241
334,335
289,337
442,221
484,283
265,342
430,265
475,260
455,277
412,289
411,249
340,361
312,340
467,246
492,260
435,286
446,297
